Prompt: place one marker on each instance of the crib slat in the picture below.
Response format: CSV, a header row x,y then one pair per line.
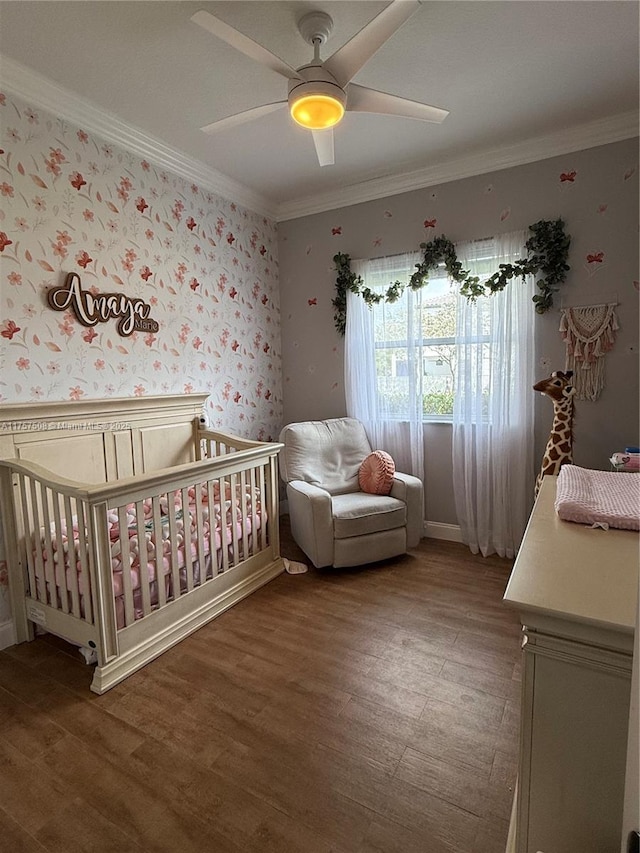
x,y
255,541
262,487
72,560
213,551
85,573
233,479
156,538
125,555
143,558
261,509
186,530
37,525
243,515
30,546
202,560
224,525
48,574
62,562
173,539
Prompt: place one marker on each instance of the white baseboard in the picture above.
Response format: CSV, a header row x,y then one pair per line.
x,y
441,530
7,634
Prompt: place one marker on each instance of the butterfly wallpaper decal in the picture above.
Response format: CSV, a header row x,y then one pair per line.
x,y
594,261
9,329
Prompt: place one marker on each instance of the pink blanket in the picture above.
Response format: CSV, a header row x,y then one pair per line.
x,y
603,498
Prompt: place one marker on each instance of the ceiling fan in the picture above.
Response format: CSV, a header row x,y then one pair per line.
x,y
320,92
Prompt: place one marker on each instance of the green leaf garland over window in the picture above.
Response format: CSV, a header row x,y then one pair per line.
x,y
548,250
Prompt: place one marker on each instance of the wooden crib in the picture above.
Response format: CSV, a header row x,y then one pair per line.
x,y
127,526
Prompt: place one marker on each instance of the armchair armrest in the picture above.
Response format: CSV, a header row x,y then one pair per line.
x,y
311,516
409,489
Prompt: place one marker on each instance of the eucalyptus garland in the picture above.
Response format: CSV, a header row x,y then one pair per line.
x,y
548,250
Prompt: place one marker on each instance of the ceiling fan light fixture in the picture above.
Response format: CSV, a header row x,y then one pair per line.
x,y
317,112
316,102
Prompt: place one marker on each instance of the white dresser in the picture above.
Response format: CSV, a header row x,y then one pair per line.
x,y
575,589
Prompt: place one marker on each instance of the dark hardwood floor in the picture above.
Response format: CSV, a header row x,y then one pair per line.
x,y
369,710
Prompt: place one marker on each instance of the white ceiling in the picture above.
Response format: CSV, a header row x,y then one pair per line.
x,y
522,80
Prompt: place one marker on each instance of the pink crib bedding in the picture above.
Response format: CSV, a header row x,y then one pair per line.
x,y
603,498
157,550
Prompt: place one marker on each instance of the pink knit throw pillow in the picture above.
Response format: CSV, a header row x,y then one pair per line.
x,y
376,473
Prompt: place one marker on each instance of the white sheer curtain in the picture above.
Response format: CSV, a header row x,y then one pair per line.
x,y
493,405
393,423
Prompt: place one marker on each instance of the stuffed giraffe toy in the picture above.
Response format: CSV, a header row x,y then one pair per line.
x,y
559,449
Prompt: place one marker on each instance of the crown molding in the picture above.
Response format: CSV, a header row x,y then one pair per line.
x,y
591,135
47,95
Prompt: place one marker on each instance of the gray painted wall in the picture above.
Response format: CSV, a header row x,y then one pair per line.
x,y
600,209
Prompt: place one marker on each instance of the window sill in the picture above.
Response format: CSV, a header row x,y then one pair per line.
x,y
438,419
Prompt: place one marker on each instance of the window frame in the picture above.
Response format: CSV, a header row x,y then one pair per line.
x,y
427,342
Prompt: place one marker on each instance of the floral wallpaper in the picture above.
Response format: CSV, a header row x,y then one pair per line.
x,y
207,267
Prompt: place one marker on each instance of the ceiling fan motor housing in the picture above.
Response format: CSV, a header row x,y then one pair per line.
x,y
315,80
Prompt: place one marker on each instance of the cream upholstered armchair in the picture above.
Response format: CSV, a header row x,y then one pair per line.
x,y
332,519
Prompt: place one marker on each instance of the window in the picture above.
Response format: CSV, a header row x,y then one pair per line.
x,y
414,340
417,338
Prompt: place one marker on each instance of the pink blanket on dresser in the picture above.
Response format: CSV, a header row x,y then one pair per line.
x,y
603,498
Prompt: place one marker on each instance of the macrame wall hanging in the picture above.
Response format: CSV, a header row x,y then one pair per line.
x,y
589,333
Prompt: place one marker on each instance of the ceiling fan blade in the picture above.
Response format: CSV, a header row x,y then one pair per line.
x,y
244,44
345,63
363,100
241,118
323,140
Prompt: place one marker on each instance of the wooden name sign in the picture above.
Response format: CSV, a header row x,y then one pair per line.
x,y
132,314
